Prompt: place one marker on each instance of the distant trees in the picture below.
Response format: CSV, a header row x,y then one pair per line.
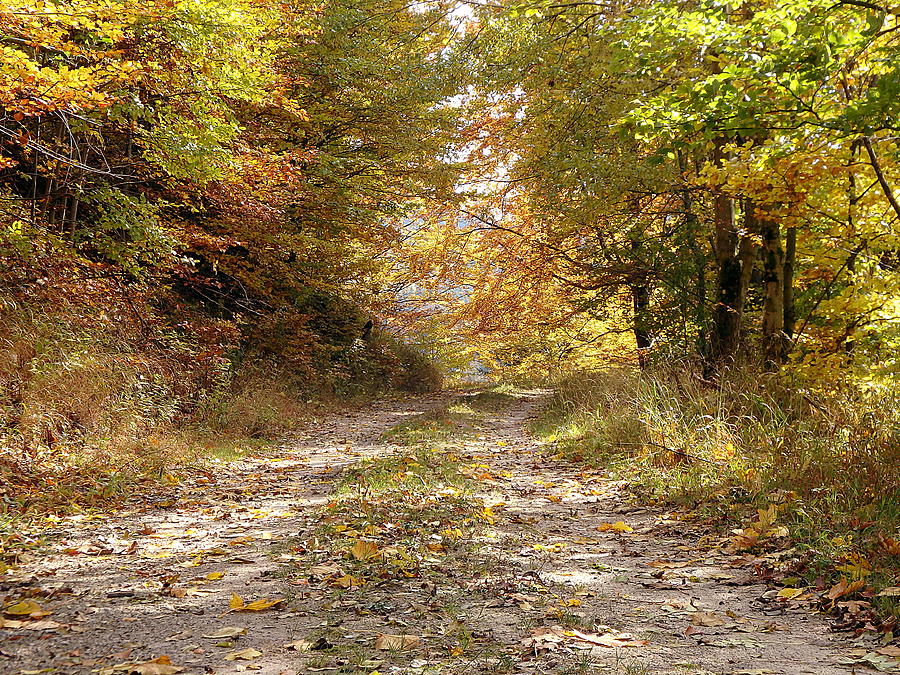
x,y
721,171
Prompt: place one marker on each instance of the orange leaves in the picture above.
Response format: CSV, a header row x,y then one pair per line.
x,y
618,527
844,588
237,604
363,550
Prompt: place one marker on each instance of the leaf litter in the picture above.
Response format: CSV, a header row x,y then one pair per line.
x,y
400,578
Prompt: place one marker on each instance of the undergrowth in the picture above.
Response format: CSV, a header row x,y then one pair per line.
x,y
825,463
97,405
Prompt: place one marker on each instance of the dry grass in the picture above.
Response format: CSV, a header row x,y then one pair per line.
x,y
94,405
831,459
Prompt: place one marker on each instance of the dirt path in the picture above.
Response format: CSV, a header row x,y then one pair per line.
x,y
127,589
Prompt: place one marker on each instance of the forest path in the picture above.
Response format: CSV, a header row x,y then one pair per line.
x,y
532,585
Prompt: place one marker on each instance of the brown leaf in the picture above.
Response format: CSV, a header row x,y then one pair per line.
x,y
608,639
325,571
363,550
299,645
550,638
43,624
226,632
397,642
710,619
668,565
842,588
247,654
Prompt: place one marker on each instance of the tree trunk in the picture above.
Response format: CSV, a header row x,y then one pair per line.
x,y
699,256
774,344
640,296
729,301
790,255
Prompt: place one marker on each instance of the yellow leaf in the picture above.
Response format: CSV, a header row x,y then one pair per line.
x,y
23,608
261,604
487,515
348,581
247,654
791,593
215,576
618,526
363,550
236,602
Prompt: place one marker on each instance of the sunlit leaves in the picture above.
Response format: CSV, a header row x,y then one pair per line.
x,y
237,604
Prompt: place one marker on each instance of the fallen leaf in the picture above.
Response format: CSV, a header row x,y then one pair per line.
x,y
710,619
668,564
247,654
363,550
214,576
227,632
842,588
608,639
890,546
397,642
42,624
348,581
791,593
161,665
237,604
23,608
325,571
299,645
550,638
618,526
890,592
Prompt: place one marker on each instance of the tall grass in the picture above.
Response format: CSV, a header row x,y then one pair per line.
x,y
93,404
830,459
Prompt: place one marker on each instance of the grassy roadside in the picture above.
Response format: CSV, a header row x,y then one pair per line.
x,y
94,477
786,469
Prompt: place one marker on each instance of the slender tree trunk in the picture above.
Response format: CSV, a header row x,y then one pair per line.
x,y
774,343
690,220
640,296
790,256
729,302
748,252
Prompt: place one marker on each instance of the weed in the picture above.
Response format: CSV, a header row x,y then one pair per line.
x,y
831,466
